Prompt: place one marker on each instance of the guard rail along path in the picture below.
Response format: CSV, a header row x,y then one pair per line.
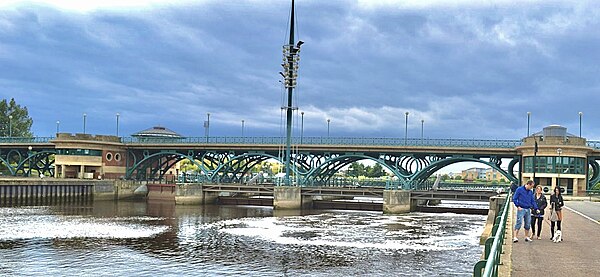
x,y
493,245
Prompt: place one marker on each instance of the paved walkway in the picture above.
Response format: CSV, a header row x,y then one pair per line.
x,y
576,256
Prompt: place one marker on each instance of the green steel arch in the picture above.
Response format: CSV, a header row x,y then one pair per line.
x,y
23,160
422,175
143,164
332,165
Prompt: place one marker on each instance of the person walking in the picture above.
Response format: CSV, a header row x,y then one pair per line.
x,y
538,215
524,201
556,204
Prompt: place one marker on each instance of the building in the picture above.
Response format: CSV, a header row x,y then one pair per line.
x,y
554,157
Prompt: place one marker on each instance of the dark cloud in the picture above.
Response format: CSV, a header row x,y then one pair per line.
x,y
470,71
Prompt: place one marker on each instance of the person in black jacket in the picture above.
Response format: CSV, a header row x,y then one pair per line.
x,y
538,215
556,204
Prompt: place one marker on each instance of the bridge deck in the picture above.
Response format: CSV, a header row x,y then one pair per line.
x,y
268,189
577,255
463,195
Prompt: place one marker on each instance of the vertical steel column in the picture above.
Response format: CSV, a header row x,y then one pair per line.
x,y
288,133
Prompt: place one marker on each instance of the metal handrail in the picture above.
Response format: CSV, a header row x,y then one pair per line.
x,y
472,143
492,259
22,140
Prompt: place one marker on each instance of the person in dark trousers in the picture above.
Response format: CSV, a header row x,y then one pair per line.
x,y
524,201
538,215
556,204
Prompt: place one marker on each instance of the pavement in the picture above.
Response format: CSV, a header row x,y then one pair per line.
x,y
576,256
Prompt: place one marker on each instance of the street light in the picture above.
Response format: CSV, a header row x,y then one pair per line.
x,y
301,127
580,115
535,150
57,126
422,122
84,116
118,124
242,128
528,119
406,128
10,126
328,120
207,126
29,159
558,167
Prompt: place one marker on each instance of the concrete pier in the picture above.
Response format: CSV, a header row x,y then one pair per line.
x,y
397,202
290,198
193,194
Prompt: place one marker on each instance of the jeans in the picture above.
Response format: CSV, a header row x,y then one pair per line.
x,y
526,215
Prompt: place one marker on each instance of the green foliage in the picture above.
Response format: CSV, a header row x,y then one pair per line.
x,y
19,125
458,177
357,169
445,177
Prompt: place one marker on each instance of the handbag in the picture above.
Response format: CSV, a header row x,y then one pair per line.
x,y
553,215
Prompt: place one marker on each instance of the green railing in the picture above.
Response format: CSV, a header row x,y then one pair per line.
x,y
25,140
470,143
493,245
467,143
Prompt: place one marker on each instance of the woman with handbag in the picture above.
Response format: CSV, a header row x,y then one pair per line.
x,y
556,204
538,215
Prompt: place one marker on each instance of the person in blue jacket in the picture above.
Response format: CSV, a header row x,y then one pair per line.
x,y
525,202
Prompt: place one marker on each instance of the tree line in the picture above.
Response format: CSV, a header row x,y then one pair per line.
x,y
14,120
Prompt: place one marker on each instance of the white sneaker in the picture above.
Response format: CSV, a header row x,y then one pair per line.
x,y
515,240
527,239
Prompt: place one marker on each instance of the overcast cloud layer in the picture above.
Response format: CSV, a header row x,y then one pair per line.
x,y
469,69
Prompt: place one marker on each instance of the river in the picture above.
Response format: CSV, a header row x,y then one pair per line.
x,y
159,239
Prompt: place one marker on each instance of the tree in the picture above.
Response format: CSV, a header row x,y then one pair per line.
x,y
356,169
20,123
375,171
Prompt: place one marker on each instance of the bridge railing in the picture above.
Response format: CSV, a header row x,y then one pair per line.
x,y
593,144
473,143
22,140
494,244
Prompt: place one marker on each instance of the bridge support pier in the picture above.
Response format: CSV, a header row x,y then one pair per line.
x,y
193,194
397,202
290,198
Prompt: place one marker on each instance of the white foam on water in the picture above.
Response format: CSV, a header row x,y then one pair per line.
x,y
35,224
301,231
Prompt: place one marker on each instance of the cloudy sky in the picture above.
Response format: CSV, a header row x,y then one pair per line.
x,y
469,69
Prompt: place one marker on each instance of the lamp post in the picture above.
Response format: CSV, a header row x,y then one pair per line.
x,y
301,126
291,58
10,126
84,116
242,128
118,124
207,126
580,115
422,122
57,127
558,167
535,150
328,120
29,159
405,128
528,119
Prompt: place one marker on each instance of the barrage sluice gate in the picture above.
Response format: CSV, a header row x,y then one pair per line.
x,y
552,155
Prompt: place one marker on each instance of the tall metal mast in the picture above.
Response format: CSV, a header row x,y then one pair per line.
x,y
290,73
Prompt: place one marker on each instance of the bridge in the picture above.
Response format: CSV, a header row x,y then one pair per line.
x,y
229,159
315,161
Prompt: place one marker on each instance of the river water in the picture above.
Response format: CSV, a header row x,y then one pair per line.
x,y
159,239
